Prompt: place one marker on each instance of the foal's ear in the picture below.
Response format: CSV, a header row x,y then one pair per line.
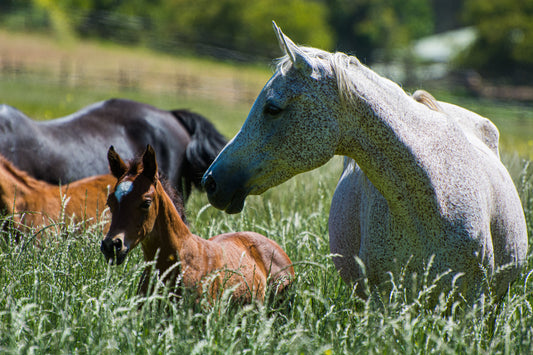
x,y
149,163
299,59
116,164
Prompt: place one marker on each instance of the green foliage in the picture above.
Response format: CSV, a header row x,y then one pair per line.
x,y
366,25
504,46
393,24
242,25
20,15
237,29
59,19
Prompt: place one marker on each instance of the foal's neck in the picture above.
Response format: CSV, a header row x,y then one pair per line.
x,y
168,235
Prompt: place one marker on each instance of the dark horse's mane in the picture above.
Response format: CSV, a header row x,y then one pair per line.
x,y
206,143
134,168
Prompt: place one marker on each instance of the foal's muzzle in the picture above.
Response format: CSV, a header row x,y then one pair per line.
x,y
112,247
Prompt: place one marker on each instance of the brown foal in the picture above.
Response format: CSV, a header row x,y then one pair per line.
x,y
143,213
37,203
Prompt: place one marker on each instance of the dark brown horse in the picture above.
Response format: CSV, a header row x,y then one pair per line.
x,y
37,203
71,148
143,213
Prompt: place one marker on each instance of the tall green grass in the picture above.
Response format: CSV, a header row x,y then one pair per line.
x,y
59,296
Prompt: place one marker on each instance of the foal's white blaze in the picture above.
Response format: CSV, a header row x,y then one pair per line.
x,y
123,189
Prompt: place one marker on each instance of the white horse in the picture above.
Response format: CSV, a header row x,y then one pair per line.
x,y
425,186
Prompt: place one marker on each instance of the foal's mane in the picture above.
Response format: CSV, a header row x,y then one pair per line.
x,y
135,168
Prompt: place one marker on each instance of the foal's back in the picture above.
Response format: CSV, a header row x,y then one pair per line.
x,y
247,256
267,255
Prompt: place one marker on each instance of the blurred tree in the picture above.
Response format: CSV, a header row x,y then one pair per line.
x,y
504,47
242,25
59,18
362,26
448,14
344,18
120,21
21,15
304,21
241,29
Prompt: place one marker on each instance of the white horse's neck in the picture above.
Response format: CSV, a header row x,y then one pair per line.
x,y
392,139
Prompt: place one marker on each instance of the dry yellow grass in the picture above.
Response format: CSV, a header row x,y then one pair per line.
x,y
87,63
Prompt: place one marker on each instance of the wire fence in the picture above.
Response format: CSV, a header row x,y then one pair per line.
x,y
70,74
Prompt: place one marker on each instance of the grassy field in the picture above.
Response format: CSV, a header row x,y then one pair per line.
x,y
59,296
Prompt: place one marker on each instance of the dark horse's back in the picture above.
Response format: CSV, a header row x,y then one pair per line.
x,y
74,147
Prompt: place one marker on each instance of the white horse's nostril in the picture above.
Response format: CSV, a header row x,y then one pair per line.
x,y
210,184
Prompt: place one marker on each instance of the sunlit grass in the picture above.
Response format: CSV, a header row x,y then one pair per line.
x,y
61,297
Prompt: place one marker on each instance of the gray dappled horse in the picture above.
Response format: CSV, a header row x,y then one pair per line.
x,y
424,188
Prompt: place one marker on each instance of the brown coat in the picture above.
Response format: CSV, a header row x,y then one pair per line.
x,y
37,203
143,213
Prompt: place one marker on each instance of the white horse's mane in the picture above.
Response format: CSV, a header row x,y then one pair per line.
x,y
340,65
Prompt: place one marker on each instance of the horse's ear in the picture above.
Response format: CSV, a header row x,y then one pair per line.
x,y
299,59
116,164
149,163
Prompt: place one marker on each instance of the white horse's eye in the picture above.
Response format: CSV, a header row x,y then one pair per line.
x,y
272,110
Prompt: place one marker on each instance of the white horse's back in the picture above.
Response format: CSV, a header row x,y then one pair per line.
x,y
474,125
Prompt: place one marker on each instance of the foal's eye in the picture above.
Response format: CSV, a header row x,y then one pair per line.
x,y
146,204
272,110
